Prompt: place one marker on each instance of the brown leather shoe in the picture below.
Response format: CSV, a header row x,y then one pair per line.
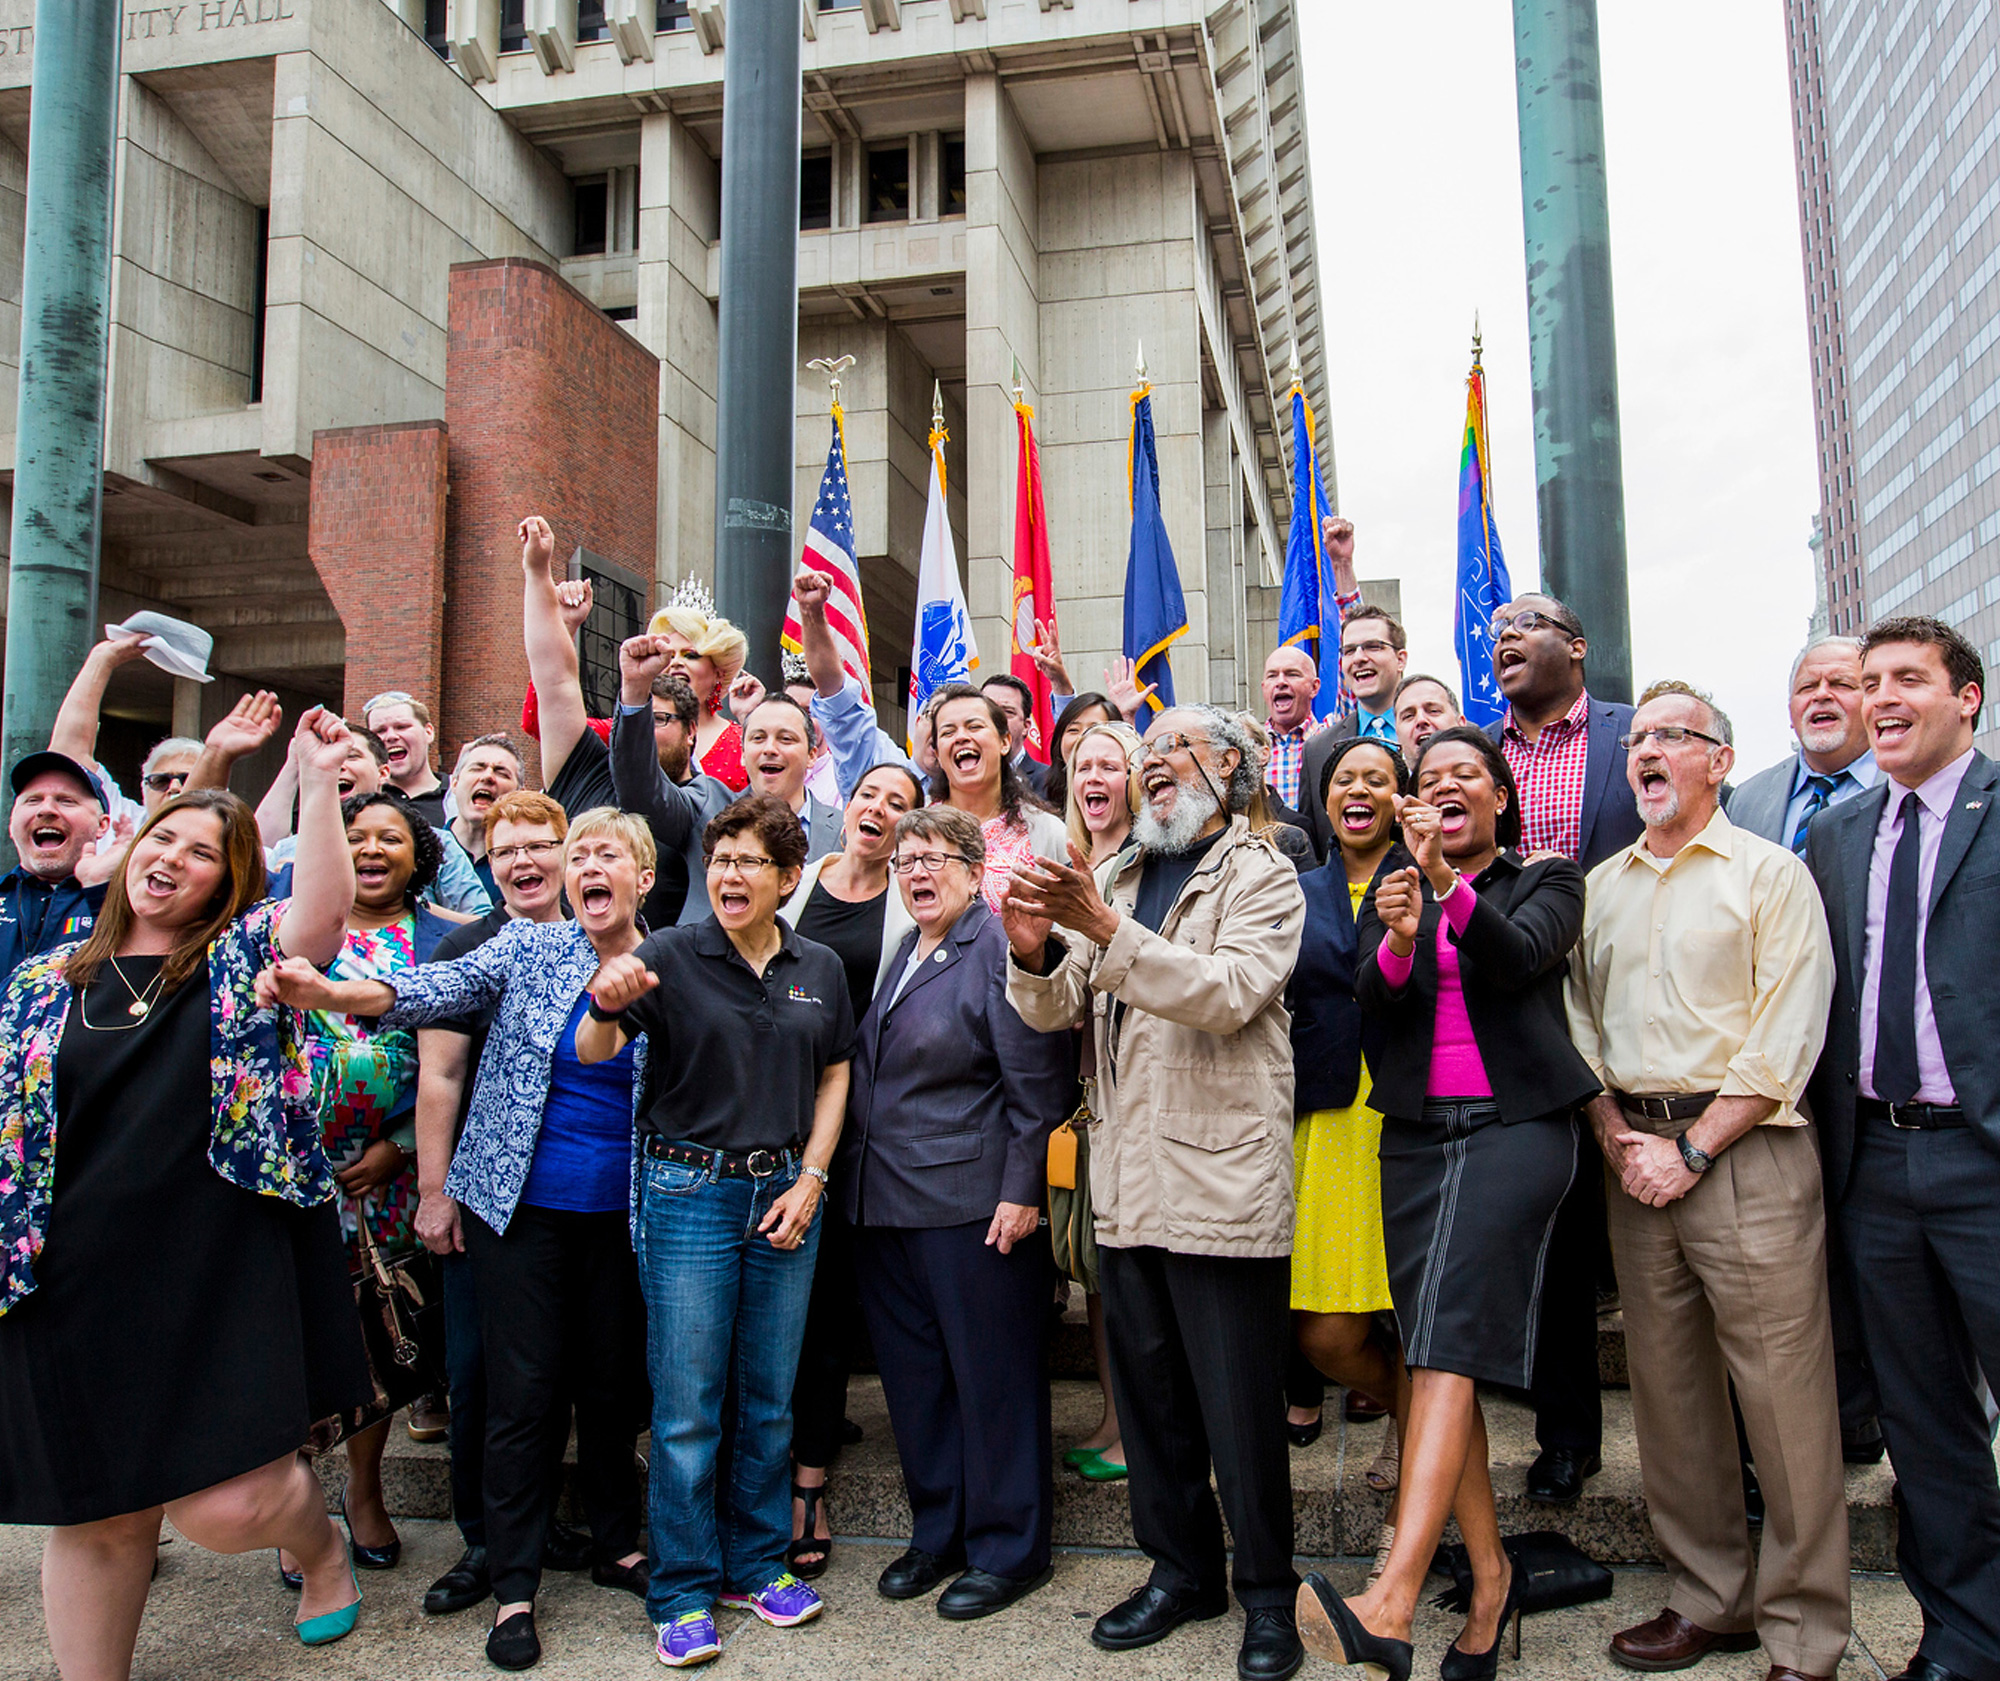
x,y
1670,1641
1785,1672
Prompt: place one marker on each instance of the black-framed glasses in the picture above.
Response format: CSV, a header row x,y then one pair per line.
x,y
160,781
1669,735
1529,619
1377,649
904,862
525,849
746,864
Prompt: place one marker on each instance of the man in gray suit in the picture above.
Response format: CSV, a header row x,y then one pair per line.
x,y
1907,1100
779,739
1832,764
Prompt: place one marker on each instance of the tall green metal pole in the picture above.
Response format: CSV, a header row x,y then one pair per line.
x,y
65,332
1566,228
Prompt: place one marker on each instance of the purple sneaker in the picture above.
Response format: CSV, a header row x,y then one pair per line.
x,y
786,1603
689,1639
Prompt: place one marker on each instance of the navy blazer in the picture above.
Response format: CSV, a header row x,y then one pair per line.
x,y
1960,937
953,1096
1330,1035
1610,820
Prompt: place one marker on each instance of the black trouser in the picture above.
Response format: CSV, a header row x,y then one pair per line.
x,y
819,1395
960,1334
1852,1374
559,1309
1305,1383
1918,1225
1198,1352
1569,1402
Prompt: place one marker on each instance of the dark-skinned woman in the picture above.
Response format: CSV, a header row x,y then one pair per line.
x,y
1463,957
175,1312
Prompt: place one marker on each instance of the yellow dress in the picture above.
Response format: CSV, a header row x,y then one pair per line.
x,y
1338,1265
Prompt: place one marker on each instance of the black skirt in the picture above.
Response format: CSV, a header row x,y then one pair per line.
x,y
1468,1205
182,1330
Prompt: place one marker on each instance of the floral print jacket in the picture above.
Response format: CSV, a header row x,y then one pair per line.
x,y
264,1128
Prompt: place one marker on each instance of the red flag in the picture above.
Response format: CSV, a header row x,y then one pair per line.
x,y
1034,588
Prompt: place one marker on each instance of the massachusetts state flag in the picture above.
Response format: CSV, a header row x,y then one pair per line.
x,y
944,651
1155,610
1309,606
1482,569
829,548
1034,587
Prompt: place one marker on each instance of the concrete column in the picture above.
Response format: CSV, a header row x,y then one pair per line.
x,y
1229,658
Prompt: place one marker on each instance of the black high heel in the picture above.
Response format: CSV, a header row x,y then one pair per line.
x,y
293,1579
1460,1665
369,1558
1331,1631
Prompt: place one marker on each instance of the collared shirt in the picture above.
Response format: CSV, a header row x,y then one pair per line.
x,y
1374,726
36,915
1711,970
1936,796
1549,774
1286,765
1856,779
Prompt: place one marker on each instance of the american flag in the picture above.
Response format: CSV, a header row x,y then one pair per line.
x,y
829,548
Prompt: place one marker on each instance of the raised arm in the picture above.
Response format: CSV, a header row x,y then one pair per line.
x,y
810,590
315,921
274,810
637,782
550,615
245,728
75,732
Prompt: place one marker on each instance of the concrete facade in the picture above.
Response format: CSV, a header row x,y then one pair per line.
x,y
994,188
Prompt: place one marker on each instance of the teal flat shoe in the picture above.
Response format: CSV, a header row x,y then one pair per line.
x,y
1074,1457
1098,1469
335,1625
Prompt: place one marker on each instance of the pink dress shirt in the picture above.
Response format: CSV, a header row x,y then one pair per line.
x,y
1457,1069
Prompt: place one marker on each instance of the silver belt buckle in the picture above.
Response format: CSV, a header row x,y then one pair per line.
x,y
1899,1125
761,1164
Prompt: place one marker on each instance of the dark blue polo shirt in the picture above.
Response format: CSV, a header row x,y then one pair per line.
x,y
34,916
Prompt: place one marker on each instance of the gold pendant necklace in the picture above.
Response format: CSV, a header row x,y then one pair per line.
x,y
141,1005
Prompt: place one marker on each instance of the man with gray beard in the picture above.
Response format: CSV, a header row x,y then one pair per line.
x,y
1190,938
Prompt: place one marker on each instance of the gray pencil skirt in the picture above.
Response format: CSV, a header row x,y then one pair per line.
x,y
1468,1207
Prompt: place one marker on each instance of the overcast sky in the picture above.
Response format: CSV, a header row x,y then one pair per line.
x,y
1417,198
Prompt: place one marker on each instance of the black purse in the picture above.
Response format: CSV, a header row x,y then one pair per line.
x,y
1556,1573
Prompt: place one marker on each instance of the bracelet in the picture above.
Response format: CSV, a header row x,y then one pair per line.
x,y
610,1018
818,1173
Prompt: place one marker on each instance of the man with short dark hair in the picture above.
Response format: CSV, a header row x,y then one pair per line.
x,y
1907,1100
58,815
488,768
1017,700
1423,705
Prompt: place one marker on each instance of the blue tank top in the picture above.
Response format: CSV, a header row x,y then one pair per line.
x,y
583,1155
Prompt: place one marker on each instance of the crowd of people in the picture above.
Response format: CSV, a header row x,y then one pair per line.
x,y
1376,1050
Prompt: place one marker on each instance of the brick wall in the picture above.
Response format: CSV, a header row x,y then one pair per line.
x,y
551,409
377,540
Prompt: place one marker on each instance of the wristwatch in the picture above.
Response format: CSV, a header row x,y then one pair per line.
x,y
1698,1160
818,1173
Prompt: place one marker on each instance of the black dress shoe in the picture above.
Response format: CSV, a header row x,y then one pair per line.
x,y
849,1433
461,1587
1152,1614
513,1644
1271,1648
369,1558
1753,1497
567,1548
1557,1475
1304,1435
1923,1669
1863,1446
979,1593
633,1578
915,1574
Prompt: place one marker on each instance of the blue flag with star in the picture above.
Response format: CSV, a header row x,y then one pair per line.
x,y
1482,569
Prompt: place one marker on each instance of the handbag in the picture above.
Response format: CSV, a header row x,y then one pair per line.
x,y
1072,1218
1555,1573
400,1304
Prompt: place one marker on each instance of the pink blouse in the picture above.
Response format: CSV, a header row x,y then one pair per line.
x,y
1457,1069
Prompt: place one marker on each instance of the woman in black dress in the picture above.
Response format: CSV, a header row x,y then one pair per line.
x,y
175,1310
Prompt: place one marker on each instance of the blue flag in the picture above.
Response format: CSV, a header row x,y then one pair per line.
x,y
1155,611
1482,570
1309,607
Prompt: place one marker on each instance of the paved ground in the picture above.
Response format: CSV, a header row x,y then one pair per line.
x,y
226,1619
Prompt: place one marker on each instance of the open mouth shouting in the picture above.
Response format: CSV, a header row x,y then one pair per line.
x,y
1654,781
1452,815
370,875
1890,729
594,900
47,837
967,758
869,827
1507,660
1357,817
1825,715
1160,785
158,884
1096,802
732,901
923,896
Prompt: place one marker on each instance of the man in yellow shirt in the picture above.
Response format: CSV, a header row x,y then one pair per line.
x,y
1699,994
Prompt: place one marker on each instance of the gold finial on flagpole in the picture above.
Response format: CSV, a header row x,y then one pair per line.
x,y
833,367
1139,363
1292,368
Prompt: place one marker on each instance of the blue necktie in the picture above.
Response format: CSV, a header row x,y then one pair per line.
x,y
1818,790
1896,1077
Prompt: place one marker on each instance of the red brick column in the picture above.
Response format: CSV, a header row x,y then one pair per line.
x,y
377,539
552,409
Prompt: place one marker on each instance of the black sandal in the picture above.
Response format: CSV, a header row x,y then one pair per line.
x,y
808,1542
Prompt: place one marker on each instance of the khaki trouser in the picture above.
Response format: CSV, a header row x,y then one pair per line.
x,y
1729,1283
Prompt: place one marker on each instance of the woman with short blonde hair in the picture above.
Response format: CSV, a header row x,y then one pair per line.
x,y
708,655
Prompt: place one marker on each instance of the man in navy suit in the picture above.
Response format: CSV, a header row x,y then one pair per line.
x,y
1907,1100
1564,749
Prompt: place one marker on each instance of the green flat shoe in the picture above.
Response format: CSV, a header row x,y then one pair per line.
x,y
1098,1469
1074,1457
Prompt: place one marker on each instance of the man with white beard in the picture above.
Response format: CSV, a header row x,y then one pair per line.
x,y
1190,938
1833,762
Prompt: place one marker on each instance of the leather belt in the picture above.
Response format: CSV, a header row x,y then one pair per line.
x,y
1911,1117
1666,1106
723,1164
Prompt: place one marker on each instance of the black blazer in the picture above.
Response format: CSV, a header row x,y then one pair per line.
x,y
1960,939
1330,1035
1610,820
953,1096
1511,963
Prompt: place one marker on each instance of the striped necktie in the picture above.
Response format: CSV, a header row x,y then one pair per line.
x,y
1818,790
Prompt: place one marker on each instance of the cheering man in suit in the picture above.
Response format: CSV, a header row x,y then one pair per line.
x,y
1907,1098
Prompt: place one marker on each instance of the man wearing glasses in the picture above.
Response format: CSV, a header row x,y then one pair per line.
x,y
1563,748
1192,937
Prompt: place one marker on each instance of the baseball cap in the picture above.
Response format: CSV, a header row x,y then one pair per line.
x,y
34,764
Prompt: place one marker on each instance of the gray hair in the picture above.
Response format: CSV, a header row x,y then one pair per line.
x,y
1226,729
174,747
1852,643
1718,720
948,826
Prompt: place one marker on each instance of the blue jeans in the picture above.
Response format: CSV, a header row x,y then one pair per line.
x,y
725,1311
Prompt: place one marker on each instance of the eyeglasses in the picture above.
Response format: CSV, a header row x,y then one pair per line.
x,y
159,781
1528,619
930,862
526,849
1668,735
1375,650
748,865
1163,746
389,697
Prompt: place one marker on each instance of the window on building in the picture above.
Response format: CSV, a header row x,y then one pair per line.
x,y
618,610
592,216
259,286
816,190
590,24
889,183
622,312
838,5
513,26
437,27
671,15
951,169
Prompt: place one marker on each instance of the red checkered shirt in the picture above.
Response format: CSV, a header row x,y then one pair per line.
x,y
1549,775
1286,765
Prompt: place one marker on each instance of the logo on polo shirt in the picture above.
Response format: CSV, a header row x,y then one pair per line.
x,y
799,995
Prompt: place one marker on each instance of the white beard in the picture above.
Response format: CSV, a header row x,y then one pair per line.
x,y
1177,832
1659,816
1828,740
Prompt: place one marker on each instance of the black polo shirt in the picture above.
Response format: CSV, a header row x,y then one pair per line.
x,y
736,1057
36,916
